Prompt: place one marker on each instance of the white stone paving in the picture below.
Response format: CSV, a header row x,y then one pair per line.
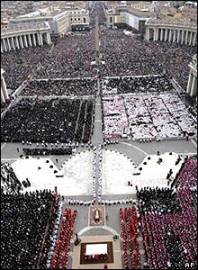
x,y
154,174
117,170
76,180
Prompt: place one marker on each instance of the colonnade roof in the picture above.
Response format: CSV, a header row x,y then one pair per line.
x,y
21,27
168,21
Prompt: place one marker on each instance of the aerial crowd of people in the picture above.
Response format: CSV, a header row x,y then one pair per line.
x,y
129,84
169,216
48,87
24,219
68,57
72,55
129,56
146,116
52,121
165,217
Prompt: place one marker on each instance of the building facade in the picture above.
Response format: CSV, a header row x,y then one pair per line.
x,y
79,19
21,36
181,32
60,21
129,16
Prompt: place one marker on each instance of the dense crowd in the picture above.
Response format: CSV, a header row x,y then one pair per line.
x,y
167,215
70,56
124,55
146,116
48,152
157,200
188,176
124,85
129,220
26,225
63,244
19,64
51,121
169,222
69,87
97,9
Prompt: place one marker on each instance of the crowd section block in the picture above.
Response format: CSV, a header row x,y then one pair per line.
x,y
51,121
129,233
62,248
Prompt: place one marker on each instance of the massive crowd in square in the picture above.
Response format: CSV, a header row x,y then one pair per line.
x,y
35,231
122,55
165,217
68,57
52,121
136,84
130,56
151,110
27,223
69,87
169,221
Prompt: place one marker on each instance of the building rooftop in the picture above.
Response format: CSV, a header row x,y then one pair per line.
x,y
137,12
49,12
42,13
140,12
168,20
12,28
112,3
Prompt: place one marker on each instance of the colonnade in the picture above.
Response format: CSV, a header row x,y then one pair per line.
x,y
192,79
14,42
4,90
178,35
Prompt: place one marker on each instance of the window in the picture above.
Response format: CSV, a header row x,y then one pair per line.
x,y
111,19
84,20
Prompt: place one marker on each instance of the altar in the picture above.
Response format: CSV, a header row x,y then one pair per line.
x,y
95,249
97,252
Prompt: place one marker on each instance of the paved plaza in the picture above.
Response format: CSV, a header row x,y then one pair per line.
x,y
131,137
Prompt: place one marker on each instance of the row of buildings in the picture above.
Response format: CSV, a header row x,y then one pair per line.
x,y
155,21
60,21
36,28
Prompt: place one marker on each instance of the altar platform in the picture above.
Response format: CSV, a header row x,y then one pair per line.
x,y
89,246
